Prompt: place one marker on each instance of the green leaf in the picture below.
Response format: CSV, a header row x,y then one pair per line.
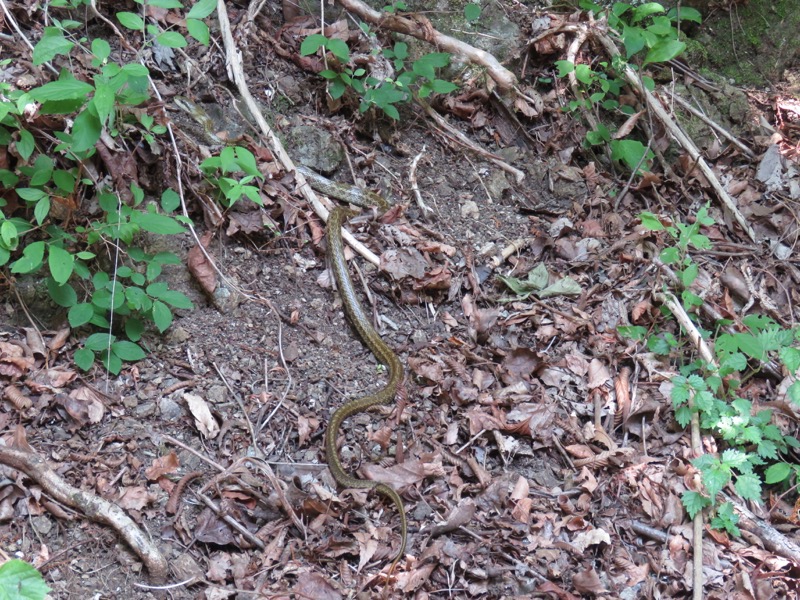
x,y
112,362
650,221
64,180
748,486
177,299
790,357
685,14
172,39
440,86
101,49
134,328
61,264
25,144
198,30
339,49
664,51
31,258
632,153
645,10
20,581
80,314
51,44
156,223
670,255
63,295
202,9
63,89
127,350
162,316
716,478
565,67
99,341
130,20
312,43
472,12
777,472
694,502
689,274
85,131
584,74
41,210
103,101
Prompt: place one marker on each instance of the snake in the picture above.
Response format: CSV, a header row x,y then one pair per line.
x,y
355,313
360,321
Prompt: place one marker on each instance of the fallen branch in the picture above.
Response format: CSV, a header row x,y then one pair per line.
x,y
95,508
233,59
420,28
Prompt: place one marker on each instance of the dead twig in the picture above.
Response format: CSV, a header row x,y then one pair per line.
x,y
420,28
94,507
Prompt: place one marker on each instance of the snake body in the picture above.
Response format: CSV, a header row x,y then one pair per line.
x,y
360,320
353,309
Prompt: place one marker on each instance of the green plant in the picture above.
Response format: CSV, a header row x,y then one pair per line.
x,y
418,77
93,267
755,449
233,160
649,35
20,581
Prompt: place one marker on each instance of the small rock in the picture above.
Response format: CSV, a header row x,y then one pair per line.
x,y
177,335
148,409
171,411
470,209
185,567
217,394
42,524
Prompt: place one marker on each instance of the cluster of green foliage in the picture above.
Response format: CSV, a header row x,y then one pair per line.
x,y
417,78
755,450
92,268
649,34
20,581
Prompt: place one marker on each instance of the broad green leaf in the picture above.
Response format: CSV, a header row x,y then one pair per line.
x,y
85,131
64,180
650,221
777,473
162,316
664,51
25,144
103,101
202,9
9,237
312,43
198,30
31,194
63,295
61,264
440,86
20,581
339,49
80,314
168,4
716,478
584,74
793,393
790,357
41,210
645,10
632,153
172,39
63,89
112,363
42,171
127,350
130,20
134,328
156,223
51,44
177,299
565,67
101,49
30,260
472,12
99,341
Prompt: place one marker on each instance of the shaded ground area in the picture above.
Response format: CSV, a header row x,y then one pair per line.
x,y
536,448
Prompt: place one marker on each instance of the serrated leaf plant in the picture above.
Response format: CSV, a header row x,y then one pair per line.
x,y
756,452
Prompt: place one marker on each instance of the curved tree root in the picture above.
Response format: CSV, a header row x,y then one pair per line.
x,y
92,506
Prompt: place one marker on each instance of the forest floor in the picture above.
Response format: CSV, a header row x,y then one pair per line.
x,y
535,447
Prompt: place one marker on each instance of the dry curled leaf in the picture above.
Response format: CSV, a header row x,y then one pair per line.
x,y
203,419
